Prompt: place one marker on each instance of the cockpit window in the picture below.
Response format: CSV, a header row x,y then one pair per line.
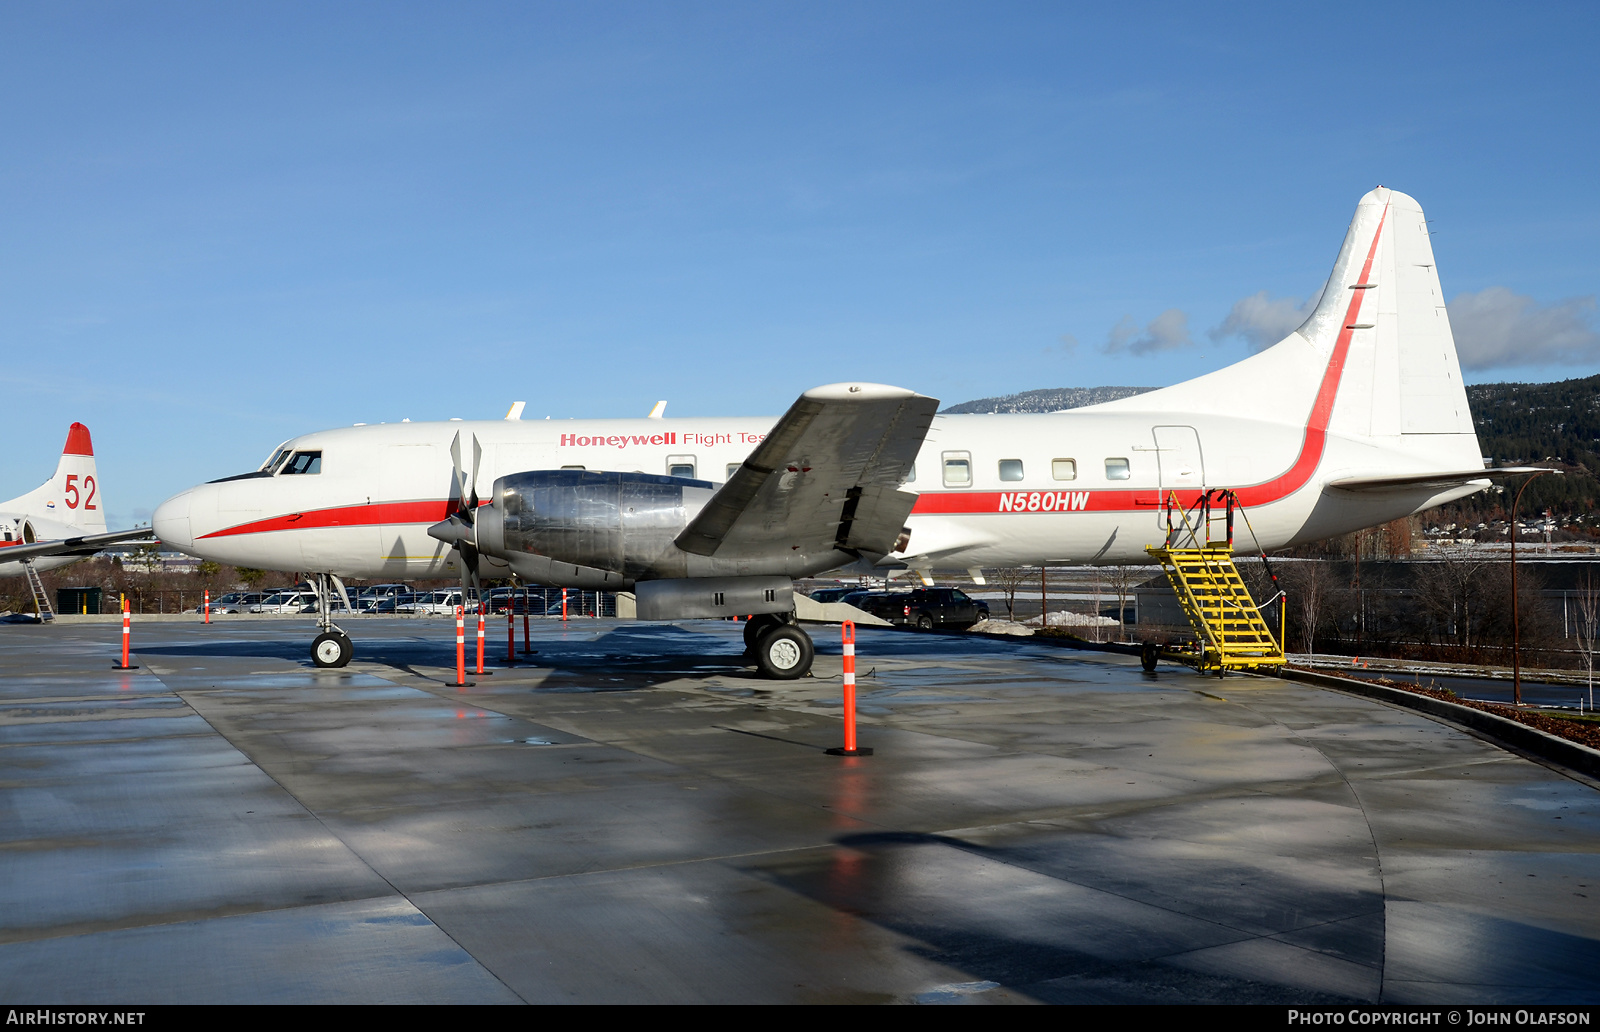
x,y
303,462
272,464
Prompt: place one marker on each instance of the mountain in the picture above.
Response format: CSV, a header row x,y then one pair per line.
x,y
1052,399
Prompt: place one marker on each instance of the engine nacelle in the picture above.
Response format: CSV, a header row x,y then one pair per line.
x,y
608,531
590,529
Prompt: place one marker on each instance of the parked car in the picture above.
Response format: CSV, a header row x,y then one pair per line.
x,y
221,603
832,594
234,602
922,608
289,601
369,598
443,602
534,601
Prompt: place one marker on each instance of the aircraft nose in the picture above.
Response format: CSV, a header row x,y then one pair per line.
x,y
171,521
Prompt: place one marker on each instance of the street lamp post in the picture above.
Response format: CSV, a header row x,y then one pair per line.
x,y
1516,626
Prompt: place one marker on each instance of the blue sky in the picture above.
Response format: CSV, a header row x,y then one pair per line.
x,y
227,224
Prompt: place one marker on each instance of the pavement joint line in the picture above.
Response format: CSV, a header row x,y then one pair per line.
x,y
340,839
1366,819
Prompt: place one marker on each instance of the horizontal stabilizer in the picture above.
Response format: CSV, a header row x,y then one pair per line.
x,y
1455,478
87,545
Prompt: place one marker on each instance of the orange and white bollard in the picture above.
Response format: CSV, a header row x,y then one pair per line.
x,y
127,631
208,605
563,605
848,633
481,671
461,650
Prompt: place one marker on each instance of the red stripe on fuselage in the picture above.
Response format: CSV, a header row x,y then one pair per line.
x,y
345,516
1279,487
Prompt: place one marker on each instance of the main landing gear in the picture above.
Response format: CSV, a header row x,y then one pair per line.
x,y
781,649
331,648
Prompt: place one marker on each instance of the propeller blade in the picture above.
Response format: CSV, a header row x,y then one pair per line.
x,y
461,480
477,460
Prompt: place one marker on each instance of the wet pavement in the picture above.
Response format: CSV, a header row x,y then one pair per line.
x,y
637,817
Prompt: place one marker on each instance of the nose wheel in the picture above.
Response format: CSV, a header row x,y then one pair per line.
x,y
332,649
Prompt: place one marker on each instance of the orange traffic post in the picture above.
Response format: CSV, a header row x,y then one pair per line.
x,y
848,633
126,632
461,651
481,672
563,605
208,605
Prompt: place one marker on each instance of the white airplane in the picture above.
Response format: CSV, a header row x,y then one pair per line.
x,y
63,520
1356,418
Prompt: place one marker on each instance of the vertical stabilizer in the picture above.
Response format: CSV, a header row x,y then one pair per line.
x,y
1382,318
70,498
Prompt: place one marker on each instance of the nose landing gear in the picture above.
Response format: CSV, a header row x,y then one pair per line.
x,y
331,648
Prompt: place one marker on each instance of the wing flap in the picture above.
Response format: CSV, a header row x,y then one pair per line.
x,y
827,476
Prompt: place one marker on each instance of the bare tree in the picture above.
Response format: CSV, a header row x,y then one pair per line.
x,y
1588,624
1311,586
1123,579
1008,579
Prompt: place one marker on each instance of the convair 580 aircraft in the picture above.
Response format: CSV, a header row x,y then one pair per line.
x,y
1356,418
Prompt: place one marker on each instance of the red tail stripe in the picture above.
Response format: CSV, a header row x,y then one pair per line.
x,y
78,442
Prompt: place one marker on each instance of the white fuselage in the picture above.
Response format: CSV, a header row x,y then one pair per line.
x,y
366,512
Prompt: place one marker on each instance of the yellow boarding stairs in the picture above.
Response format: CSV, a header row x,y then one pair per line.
x,y
1232,634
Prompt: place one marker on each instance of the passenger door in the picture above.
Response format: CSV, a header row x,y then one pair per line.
x,y
1181,465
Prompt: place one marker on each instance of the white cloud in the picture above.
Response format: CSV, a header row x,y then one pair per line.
x,y
1166,332
1496,327
1262,321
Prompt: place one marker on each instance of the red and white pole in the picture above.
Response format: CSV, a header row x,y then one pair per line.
x,y
461,650
208,608
480,671
848,633
563,605
127,631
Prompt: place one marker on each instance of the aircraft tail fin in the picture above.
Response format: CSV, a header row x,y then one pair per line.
x,y
71,497
1382,325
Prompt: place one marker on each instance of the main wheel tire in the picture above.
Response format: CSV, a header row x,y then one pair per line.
x,y
785,653
331,649
758,625
1147,657
924,622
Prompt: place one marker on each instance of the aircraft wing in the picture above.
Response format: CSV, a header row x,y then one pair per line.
x,y
86,545
1455,478
827,476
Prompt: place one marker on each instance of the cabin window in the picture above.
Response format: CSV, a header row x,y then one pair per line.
x,y
1010,469
1064,469
733,467
680,466
305,462
957,469
1117,469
